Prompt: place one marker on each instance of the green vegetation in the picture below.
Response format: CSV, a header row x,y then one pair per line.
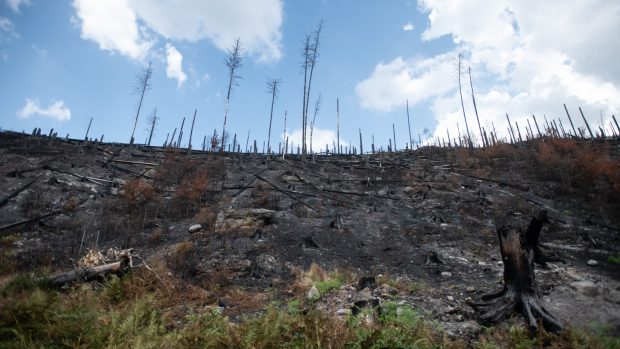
x,y
333,282
132,312
613,260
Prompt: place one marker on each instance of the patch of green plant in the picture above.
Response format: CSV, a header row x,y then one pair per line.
x,y
293,307
334,281
613,259
397,327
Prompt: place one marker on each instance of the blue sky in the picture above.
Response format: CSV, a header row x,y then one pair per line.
x,y
62,62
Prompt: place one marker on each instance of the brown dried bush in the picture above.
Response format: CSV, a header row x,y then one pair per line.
x,y
136,193
266,198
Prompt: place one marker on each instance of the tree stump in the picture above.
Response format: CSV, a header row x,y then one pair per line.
x,y
520,291
542,255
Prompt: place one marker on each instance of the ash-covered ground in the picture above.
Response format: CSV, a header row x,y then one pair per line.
x,y
422,223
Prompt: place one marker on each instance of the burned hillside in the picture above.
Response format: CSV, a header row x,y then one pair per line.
x,y
240,232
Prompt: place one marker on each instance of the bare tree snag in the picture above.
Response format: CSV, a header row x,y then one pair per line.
x,y
142,85
233,61
520,291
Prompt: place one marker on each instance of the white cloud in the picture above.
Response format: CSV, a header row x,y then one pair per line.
x,y
40,51
391,84
522,63
174,65
7,30
16,4
55,110
320,138
256,22
113,25
408,27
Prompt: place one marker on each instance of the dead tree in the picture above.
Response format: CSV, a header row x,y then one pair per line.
x,y
338,124
310,54
272,87
571,120
463,104
586,122
409,125
520,292
191,132
317,106
142,85
233,62
475,107
90,273
88,129
153,122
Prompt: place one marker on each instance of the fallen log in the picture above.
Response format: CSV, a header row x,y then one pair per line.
x,y
90,273
18,190
520,291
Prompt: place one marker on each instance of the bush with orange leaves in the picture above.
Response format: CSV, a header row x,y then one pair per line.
x,y
190,193
587,166
137,192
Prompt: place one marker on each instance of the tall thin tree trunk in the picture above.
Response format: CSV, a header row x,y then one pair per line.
x,y
338,123
475,108
145,84
409,125
462,104
191,132
152,127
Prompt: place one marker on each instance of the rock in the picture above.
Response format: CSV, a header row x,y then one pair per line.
x,y
248,219
195,228
366,282
313,294
408,190
386,291
452,310
470,289
450,298
267,263
587,288
612,296
446,274
336,223
460,330
592,263
343,312
482,264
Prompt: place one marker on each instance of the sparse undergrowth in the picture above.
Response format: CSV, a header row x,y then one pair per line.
x,y
137,312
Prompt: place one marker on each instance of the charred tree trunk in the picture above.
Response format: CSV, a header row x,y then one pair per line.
x,y
89,273
520,291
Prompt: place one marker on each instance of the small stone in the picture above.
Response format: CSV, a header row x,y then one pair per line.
x,y
612,296
470,289
343,312
446,274
195,228
482,264
313,294
592,263
451,310
586,287
386,290
450,298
